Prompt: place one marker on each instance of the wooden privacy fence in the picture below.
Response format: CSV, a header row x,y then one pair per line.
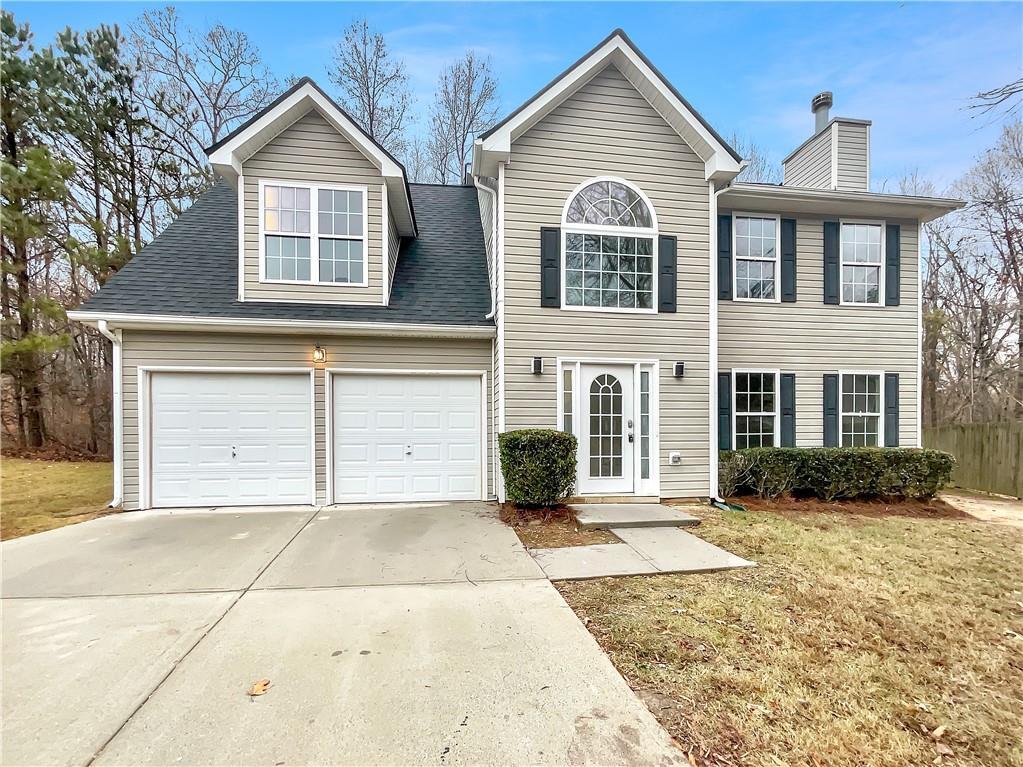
x,y
989,456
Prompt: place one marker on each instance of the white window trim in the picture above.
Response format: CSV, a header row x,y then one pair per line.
x,y
614,231
880,402
314,234
776,372
776,259
641,487
841,263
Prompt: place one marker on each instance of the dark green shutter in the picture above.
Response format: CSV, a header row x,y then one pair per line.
x,y
724,411
830,410
787,402
725,258
667,272
892,272
832,270
891,409
788,260
550,266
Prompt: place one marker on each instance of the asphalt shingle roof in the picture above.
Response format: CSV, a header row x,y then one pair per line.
x,y
192,268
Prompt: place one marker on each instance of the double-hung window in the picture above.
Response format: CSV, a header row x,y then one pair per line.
x,y
860,409
610,235
313,233
862,265
756,409
756,257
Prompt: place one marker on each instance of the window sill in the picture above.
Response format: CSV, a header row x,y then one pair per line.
x,y
607,310
311,283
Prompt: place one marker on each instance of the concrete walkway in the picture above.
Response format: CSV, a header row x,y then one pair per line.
x,y
607,516
390,636
990,508
643,551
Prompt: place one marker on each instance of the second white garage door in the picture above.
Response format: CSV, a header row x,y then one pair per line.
x,y
407,437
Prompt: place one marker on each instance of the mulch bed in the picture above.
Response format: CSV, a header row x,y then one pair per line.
x,y
933,508
551,528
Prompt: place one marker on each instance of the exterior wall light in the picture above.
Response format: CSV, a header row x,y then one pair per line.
x,y
680,369
319,355
537,366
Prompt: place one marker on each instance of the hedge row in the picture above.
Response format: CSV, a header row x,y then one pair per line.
x,y
835,472
538,466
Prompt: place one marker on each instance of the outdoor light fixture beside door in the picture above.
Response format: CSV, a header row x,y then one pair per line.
x,y
319,355
537,366
680,369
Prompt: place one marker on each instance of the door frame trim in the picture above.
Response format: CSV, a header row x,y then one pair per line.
x,y
640,487
455,372
145,402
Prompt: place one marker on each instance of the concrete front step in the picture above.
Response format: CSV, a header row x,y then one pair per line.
x,y
613,515
648,551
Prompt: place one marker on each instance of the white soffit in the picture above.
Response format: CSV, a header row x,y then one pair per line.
x,y
227,156
617,51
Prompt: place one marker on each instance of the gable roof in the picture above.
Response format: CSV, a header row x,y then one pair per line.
x,y
228,154
721,160
191,270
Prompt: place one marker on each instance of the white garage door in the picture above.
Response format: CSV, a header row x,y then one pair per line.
x,y
407,438
221,439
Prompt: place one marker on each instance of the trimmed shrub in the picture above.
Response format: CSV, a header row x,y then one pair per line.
x,y
538,466
831,473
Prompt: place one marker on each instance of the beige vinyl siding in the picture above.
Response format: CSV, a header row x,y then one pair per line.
x,y
311,150
393,246
607,128
853,148
810,338
810,166
198,350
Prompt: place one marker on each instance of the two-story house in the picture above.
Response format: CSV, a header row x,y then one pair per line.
x,y
316,329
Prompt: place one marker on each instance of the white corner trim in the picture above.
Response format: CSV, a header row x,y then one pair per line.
x,y
241,237
385,247
919,339
834,154
501,413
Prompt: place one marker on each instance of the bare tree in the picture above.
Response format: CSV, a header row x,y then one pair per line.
x,y
197,86
465,105
758,168
417,161
374,85
1009,96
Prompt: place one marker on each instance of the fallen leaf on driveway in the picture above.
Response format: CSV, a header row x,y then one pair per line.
x,y
260,687
938,732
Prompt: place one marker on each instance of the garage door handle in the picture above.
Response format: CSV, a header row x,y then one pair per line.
x,y
408,449
234,451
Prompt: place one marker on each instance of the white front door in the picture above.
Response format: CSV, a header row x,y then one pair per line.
x,y
231,439
404,437
607,429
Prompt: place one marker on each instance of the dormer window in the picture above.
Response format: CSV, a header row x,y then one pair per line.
x,y
312,234
610,235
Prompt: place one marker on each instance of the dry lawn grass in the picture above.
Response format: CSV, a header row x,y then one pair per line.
x,y
859,641
550,528
41,495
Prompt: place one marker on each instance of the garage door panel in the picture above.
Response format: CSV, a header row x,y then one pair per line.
x,y
410,452
231,439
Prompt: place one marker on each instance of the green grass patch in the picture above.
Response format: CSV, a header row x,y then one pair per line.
x,y
42,495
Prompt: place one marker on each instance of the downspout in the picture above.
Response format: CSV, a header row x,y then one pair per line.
x,y
480,186
118,447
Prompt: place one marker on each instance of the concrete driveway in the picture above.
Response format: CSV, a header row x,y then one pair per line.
x,y
412,635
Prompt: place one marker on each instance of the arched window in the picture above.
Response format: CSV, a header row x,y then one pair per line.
x,y
609,231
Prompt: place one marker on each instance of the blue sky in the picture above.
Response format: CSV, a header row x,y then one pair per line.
x,y
749,68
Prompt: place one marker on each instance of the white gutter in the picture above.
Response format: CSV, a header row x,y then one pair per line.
x,y
118,437
222,324
492,273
